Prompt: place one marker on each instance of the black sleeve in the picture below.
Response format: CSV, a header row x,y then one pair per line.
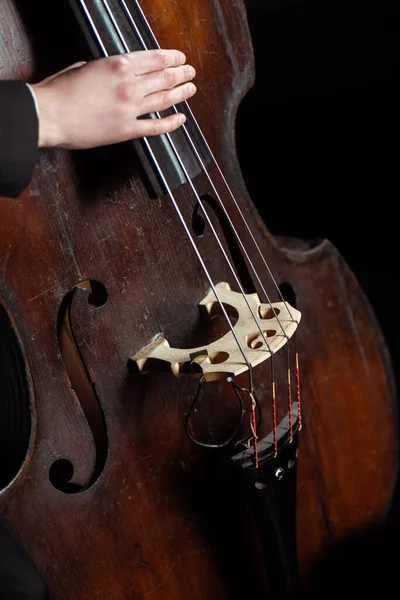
x,y
18,137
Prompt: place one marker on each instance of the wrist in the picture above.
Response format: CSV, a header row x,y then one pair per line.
x,y
49,134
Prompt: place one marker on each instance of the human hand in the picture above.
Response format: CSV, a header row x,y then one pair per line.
x,y
100,102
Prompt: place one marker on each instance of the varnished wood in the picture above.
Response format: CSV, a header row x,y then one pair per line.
x,y
147,513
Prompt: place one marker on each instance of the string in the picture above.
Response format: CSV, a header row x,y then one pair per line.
x,y
204,169
205,213
253,423
189,180
200,161
179,213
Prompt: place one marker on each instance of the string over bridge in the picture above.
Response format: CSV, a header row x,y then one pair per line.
x,y
278,321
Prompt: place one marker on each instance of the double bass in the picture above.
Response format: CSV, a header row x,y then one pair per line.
x,y
203,406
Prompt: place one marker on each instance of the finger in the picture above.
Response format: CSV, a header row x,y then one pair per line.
x,y
166,79
148,61
156,127
160,101
55,75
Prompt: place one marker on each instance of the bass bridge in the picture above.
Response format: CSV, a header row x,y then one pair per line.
x,y
260,330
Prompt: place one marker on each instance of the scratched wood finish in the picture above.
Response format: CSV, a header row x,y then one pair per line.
x,y
166,519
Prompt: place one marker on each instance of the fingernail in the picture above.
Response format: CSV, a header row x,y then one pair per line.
x,y
183,58
192,72
191,88
182,119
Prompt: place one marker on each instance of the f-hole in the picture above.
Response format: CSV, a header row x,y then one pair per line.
x,y
61,472
199,225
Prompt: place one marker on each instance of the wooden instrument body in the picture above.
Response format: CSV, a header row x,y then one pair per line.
x,y
164,518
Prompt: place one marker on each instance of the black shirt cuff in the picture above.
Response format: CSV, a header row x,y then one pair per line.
x,y
18,137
